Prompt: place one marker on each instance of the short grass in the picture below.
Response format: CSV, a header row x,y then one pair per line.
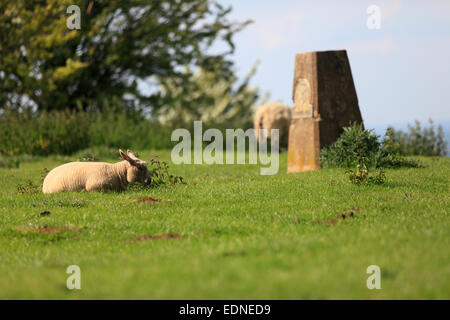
x,y
242,235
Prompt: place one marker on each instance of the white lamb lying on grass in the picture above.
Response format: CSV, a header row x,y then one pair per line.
x,y
95,176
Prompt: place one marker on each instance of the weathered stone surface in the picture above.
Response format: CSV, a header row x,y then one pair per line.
x,y
325,101
303,156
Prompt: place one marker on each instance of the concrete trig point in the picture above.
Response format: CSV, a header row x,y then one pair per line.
x,y
325,101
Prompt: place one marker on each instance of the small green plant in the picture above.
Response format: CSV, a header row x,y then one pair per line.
x,y
44,173
29,187
379,178
160,174
361,176
75,203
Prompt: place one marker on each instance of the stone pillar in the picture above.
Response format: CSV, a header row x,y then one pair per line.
x,y
325,101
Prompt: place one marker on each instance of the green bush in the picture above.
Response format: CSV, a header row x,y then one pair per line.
x,y
42,133
89,135
356,146
417,141
353,144
67,132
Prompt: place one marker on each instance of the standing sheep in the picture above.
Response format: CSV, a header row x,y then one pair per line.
x,y
274,115
95,176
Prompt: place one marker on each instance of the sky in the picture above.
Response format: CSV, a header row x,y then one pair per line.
x,y
401,70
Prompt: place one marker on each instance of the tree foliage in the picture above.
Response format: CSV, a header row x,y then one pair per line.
x,y
120,44
424,141
210,98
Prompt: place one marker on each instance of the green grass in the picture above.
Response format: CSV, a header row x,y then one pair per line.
x,y
243,236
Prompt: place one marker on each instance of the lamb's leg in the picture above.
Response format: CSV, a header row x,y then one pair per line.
x,y
93,186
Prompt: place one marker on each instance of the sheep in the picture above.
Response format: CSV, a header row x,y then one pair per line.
x,y
274,115
96,176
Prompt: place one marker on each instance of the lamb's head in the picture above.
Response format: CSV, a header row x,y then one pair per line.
x,y
138,171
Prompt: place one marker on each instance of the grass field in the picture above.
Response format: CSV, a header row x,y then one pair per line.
x,y
241,235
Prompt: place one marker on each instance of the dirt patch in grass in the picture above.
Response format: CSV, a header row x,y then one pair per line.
x,y
148,199
234,253
48,233
156,236
44,213
343,216
48,229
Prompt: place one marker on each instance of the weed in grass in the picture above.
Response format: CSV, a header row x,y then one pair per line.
x,y
341,216
160,176
379,178
76,203
46,233
360,176
29,187
44,173
157,236
60,203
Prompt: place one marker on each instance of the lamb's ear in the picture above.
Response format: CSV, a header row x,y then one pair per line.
x,y
131,155
127,158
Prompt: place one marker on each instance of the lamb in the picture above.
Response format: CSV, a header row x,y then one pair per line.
x,y
274,115
96,176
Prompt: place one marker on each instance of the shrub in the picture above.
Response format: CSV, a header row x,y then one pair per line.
x,y
9,162
353,144
356,146
90,135
417,141
67,132
160,176
43,133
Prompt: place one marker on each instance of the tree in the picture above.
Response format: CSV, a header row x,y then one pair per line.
x,y
210,98
45,65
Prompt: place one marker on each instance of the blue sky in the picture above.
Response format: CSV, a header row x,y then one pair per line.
x,y
401,71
